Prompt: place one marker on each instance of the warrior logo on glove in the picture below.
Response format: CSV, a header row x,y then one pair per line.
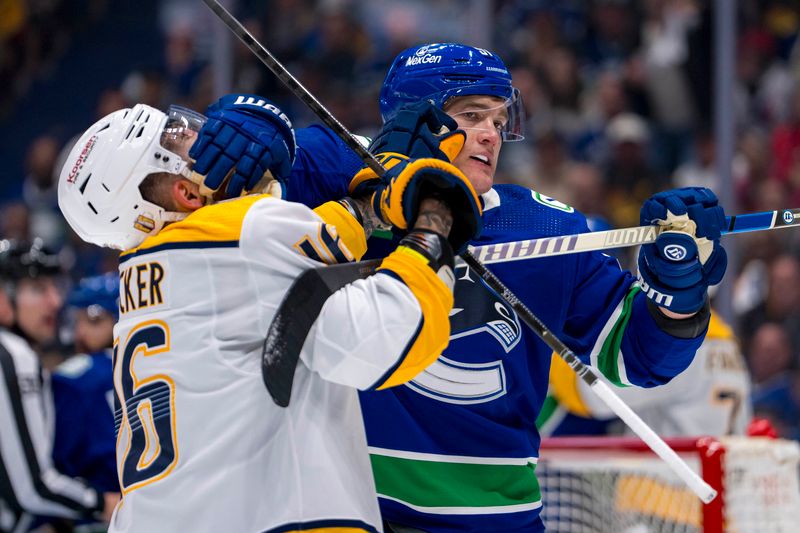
x,y
687,257
246,143
675,252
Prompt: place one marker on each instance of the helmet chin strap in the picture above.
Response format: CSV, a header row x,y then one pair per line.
x,y
172,216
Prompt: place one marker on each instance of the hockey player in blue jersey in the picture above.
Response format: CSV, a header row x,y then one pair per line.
x,y
456,448
83,387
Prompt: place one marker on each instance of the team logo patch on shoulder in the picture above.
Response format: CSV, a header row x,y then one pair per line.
x,y
552,202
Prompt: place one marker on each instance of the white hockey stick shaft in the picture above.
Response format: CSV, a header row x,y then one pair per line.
x,y
703,490
619,238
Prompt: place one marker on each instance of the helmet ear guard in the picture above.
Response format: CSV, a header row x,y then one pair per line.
x,y
440,72
98,188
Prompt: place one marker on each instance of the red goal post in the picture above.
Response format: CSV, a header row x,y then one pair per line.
x,y
616,484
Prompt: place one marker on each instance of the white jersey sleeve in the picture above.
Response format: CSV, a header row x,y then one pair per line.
x,y
367,332
196,303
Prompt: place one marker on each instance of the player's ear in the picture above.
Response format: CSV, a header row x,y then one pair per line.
x,y
187,195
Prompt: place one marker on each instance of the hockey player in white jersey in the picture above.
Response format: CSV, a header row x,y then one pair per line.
x,y
710,397
201,447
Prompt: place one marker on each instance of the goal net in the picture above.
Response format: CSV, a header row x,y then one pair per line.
x,y
616,484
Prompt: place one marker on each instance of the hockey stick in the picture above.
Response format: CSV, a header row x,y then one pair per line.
x,y
619,238
293,85
285,370
299,309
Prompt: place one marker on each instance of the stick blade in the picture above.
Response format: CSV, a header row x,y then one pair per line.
x,y
294,318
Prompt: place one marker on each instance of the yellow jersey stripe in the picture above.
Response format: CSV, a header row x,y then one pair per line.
x,y
218,224
564,387
718,329
347,227
435,300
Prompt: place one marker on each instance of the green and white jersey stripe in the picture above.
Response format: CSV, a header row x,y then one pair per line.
x,y
606,354
454,484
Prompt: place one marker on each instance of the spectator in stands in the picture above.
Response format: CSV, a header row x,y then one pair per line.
x,y
773,364
39,192
700,170
15,221
786,148
629,176
782,302
585,191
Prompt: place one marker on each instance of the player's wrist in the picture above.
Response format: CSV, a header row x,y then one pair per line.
x,y
689,327
362,211
434,249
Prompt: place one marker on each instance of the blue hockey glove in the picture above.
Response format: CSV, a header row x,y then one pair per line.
x,y
246,139
418,130
687,257
406,184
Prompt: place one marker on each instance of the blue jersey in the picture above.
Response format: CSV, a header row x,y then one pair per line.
x,y
456,448
84,445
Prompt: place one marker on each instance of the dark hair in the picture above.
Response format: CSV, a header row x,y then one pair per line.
x,y
155,188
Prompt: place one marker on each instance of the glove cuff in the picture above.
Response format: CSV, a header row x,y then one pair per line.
x,y
436,250
682,328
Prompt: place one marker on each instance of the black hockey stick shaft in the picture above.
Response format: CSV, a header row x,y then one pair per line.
x,y
276,366
293,85
355,271
294,318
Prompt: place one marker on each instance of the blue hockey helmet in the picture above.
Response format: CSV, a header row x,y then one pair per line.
x,y
441,71
97,294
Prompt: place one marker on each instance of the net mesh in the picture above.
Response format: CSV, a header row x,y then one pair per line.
x,y
617,485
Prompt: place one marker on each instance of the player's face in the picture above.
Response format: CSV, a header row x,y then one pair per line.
x,y
482,118
6,311
179,141
38,302
93,331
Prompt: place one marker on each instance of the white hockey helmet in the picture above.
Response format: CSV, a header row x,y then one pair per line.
x,y
98,189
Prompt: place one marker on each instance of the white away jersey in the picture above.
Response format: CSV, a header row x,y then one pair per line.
x,y
201,446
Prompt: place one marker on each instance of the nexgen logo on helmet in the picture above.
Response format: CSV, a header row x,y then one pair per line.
x,y
440,72
424,59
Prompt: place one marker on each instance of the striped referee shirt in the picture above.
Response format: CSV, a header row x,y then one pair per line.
x,y
28,481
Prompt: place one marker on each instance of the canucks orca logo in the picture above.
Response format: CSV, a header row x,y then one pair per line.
x,y
477,308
